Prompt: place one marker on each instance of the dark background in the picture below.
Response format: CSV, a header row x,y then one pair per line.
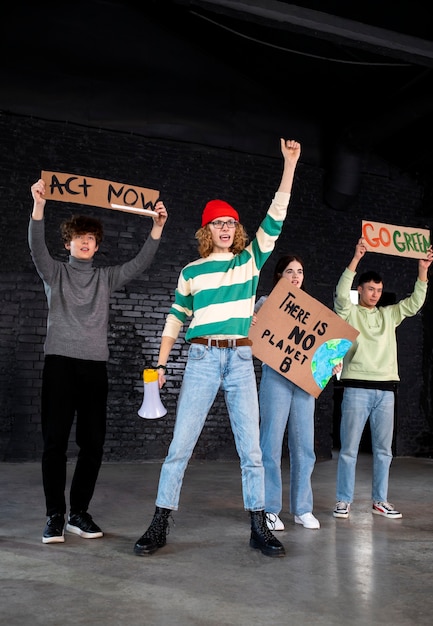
x,y
347,78
191,98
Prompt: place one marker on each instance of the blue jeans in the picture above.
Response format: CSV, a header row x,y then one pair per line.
x,y
207,370
358,405
282,401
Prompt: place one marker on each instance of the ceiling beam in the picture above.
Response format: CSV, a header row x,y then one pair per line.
x,y
318,24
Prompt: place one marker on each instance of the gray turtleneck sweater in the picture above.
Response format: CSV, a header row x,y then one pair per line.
x,y
78,296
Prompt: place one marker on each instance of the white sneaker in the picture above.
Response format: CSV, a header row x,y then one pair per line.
x,y
342,509
386,509
273,522
308,521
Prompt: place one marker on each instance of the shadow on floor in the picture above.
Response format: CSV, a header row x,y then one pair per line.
x,y
360,571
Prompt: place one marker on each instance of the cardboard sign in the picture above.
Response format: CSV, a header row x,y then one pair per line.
x,y
397,240
98,192
300,338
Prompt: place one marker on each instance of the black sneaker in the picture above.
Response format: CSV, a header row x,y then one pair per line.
x,y
54,531
83,525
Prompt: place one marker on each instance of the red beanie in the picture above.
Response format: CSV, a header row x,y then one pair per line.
x,y
217,208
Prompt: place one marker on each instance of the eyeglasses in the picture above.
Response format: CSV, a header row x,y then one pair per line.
x,y
229,223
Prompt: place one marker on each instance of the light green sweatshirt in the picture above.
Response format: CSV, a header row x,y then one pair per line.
x,y
373,356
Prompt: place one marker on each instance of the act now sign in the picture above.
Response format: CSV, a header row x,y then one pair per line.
x,y
98,192
396,240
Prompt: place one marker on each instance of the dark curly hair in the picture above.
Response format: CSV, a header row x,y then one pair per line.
x,y
81,225
205,243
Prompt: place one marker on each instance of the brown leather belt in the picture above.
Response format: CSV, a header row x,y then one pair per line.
x,y
222,343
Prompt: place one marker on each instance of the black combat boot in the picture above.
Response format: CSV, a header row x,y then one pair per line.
x,y
156,535
262,538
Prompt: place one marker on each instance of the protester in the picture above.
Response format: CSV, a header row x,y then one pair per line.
x,y
283,404
218,291
74,378
370,378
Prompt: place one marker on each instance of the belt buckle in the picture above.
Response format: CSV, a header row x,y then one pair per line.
x,y
231,343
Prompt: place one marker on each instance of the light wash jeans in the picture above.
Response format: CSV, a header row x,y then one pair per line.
x,y
282,401
206,371
357,406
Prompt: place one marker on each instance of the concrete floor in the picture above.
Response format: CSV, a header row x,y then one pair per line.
x,y
360,571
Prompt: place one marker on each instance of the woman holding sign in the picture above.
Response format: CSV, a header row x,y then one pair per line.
x,y
284,404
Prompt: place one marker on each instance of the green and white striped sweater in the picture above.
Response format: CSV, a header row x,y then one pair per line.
x,y
220,290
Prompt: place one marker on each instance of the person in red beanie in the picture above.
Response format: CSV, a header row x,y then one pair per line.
x,y
218,291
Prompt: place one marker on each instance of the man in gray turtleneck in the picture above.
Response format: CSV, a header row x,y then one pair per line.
x,y
74,379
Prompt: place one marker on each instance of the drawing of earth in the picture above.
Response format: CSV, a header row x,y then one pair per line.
x,y
325,358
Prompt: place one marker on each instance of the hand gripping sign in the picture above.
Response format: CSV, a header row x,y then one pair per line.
x,y
300,338
98,192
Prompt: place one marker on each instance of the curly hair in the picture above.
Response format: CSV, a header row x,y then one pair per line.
x,y
205,243
81,225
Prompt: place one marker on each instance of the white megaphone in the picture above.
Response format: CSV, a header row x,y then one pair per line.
x,y
152,406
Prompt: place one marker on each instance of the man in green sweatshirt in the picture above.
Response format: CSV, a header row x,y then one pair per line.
x,y
370,378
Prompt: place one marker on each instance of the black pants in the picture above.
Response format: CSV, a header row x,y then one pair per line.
x,y
72,387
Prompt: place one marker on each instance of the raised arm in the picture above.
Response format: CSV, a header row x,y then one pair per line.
x,y
360,250
159,222
38,193
424,264
291,151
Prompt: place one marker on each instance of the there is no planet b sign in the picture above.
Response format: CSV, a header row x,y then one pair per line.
x,y
300,338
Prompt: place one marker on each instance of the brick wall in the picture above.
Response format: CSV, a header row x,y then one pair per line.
x,y
187,176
